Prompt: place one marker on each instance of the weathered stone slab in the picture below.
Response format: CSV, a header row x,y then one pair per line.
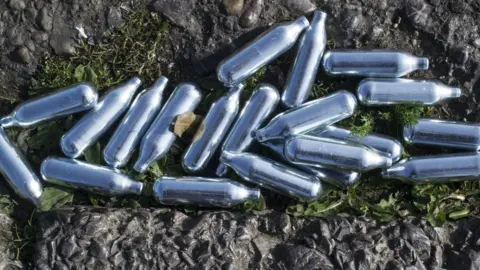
x,y
100,238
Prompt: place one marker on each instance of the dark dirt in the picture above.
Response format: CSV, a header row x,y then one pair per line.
x,y
201,34
101,238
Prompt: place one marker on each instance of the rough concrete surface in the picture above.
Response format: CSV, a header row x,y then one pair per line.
x,y
101,238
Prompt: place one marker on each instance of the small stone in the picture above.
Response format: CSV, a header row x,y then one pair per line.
x,y
30,45
68,247
31,13
39,36
459,54
376,32
17,40
17,4
309,242
475,42
177,11
250,16
44,20
394,265
114,17
62,45
233,7
21,55
458,6
299,7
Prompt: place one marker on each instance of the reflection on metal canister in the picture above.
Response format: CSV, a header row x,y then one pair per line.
x,y
374,63
76,98
98,120
309,55
134,125
213,192
160,137
384,91
260,51
314,151
261,104
17,171
315,114
212,130
437,169
387,145
273,175
81,175
444,133
335,176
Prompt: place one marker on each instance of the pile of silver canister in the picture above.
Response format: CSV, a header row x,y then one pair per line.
x,y
312,150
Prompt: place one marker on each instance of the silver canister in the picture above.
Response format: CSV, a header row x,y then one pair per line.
x,y
309,53
97,121
259,52
453,134
334,176
76,98
160,137
314,114
387,145
17,171
315,151
134,125
212,130
261,104
386,91
93,178
436,169
210,192
273,175
372,63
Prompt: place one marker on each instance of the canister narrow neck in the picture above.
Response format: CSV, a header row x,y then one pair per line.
x,y
253,194
134,187
456,92
226,157
422,63
7,121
